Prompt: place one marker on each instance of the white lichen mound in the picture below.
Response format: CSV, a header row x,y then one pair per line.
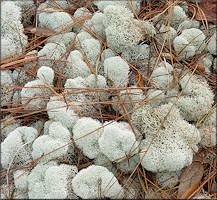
x,y
12,45
95,24
91,49
68,39
49,4
189,43
208,129
8,124
6,92
56,21
155,97
102,4
35,93
27,9
25,5
96,95
162,76
54,145
117,70
122,30
93,82
215,64
77,97
165,154
171,148
107,53
138,55
79,14
166,34
16,148
207,63
177,16
76,66
148,119
80,37
46,75
94,181
58,111
196,99
211,47
189,23
13,41
119,144
50,181
88,143
21,183
52,55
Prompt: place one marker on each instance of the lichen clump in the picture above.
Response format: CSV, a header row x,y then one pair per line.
x,y
99,96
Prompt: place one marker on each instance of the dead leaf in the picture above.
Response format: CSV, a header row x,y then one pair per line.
x,y
199,67
190,179
207,11
140,81
195,63
39,31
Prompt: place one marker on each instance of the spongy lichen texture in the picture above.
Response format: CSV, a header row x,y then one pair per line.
x,y
6,80
122,30
118,143
208,129
55,21
89,143
189,43
107,89
102,4
117,70
49,180
138,55
8,125
79,13
171,136
77,96
38,88
57,110
54,145
177,16
13,41
211,47
95,24
162,75
76,66
86,183
196,99
91,50
52,55
17,143
21,182
65,38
